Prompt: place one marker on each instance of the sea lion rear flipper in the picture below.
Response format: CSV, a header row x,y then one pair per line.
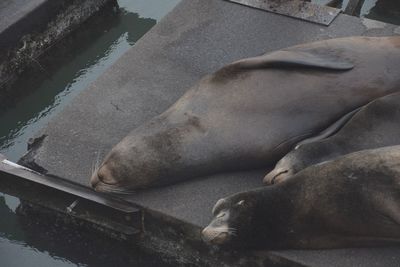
x,y
294,58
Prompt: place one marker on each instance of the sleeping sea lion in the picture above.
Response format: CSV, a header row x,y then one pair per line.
x,y
351,201
374,125
251,112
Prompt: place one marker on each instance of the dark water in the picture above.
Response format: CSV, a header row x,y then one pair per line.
x,y
45,90
383,10
28,241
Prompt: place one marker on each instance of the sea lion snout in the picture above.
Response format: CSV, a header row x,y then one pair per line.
x,y
94,180
111,175
231,218
218,231
104,175
277,175
285,168
216,236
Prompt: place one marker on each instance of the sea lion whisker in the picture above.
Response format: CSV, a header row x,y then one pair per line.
x,y
112,189
94,169
92,166
124,191
95,163
98,158
223,229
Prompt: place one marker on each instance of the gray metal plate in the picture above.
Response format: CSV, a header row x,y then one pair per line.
x,y
22,172
295,8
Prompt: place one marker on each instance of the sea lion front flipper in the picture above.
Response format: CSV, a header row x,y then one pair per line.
x,y
295,58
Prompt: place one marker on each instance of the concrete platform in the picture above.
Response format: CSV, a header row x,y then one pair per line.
x,y
196,38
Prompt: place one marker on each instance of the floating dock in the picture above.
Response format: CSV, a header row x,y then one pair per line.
x,y
196,38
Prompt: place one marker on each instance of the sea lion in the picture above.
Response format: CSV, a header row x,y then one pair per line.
x,y
251,112
351,201
374,125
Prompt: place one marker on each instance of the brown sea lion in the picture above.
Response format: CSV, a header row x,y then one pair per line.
x,y
374,125
251,112
353,200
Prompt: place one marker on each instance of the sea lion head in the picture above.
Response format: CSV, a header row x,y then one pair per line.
x,y
112,174
149,156
232,218
130,165
285,168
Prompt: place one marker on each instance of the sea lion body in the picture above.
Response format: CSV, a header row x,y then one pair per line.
x,y
251,112
374,125
353,200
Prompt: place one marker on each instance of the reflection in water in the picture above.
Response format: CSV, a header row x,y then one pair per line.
x,y
40,94
9,226
27,241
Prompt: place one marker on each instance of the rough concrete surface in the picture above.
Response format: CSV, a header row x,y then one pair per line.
x,y
196,38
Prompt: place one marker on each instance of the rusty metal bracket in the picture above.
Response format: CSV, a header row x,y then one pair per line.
x,y
295,8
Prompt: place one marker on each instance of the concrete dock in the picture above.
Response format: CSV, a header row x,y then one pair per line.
x,y
196,38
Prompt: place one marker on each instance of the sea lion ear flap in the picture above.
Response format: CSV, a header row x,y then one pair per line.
x,y
296,58
241,202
